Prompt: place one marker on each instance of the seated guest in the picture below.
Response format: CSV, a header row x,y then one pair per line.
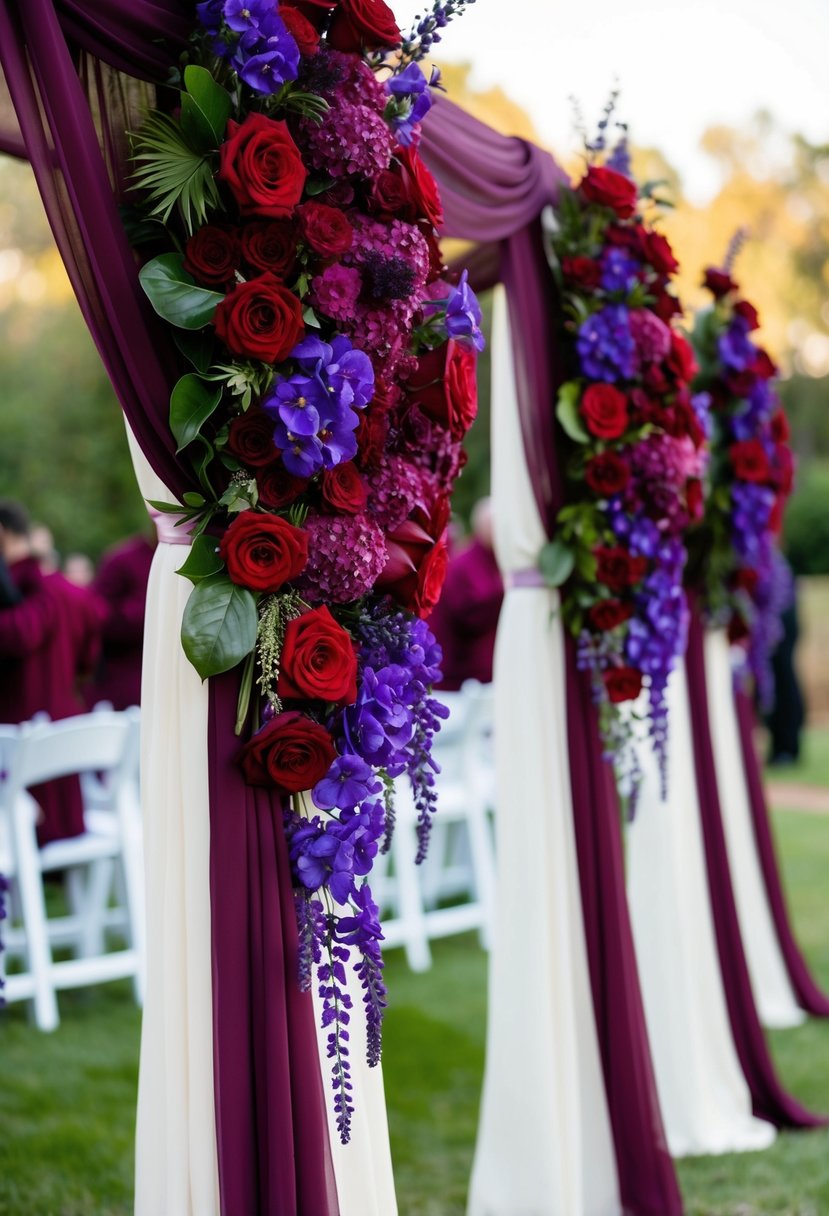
x,y
49,642
466,617
121,582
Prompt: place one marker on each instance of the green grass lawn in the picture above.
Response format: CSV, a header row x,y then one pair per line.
x,y
813,766
67,1100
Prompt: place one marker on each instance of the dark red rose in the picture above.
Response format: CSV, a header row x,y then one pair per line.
x,y
372,431
627,236
211,255
363,25
745,579
318,660
343,489
261,165
421,187
617,568
604,410
444,386
780,429
681,359
610,189
325,229
389,198
607,474
416,566
622,684
584,272
687,423
748,312
666,306
277,487
738,630
607,614
658,253
260,319
270,245
764,366
749,460
655,380
315,11
300,28
783,472
694,499
431,577
263,552
776,516
740,384
250,438
718,282
290,753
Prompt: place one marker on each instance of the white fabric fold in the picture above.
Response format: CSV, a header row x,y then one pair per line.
x,y
705,1101
773,992
544,1144
176,1158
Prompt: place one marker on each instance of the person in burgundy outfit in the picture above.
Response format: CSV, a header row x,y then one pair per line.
x,y
121,582
49,643
466,617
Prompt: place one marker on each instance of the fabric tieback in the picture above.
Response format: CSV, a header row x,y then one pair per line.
x,y
169,528
523,578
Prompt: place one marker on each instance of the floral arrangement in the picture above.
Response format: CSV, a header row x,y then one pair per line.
x,y
331,381
736,565
636,454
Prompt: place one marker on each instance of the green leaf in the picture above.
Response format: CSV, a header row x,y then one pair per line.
x,y
167,508
310,317
202,561
196,346
192,402
174,295
173,174
567,411
219,625
556,562
205,109
192,499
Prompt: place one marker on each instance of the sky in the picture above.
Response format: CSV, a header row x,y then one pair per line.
x,y
682,66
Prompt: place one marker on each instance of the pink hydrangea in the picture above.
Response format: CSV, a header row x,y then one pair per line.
x,y
394,491
346,554
351,140
650,334
334,292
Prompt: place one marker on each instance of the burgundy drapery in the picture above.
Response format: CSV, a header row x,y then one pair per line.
x,y
809,996
273,1148
494,189
769,1099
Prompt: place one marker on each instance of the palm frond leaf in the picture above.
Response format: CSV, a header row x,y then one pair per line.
x,y
172,173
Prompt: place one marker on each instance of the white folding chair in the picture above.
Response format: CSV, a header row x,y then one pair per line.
x,y
98,743
461,861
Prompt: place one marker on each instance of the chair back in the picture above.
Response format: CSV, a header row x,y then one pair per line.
x,y
86,743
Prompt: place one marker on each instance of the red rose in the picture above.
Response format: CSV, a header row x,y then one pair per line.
x,y
748,312
622,683
783,473
372,431
318,660
610,189
604,410
315,11
301,30
658,252
291,753
718,282
277,487
250,438
363,25
270,245
681,359
325,229
263,551
445,387
421,187
343,489
780,429
749,460
740,384
211,255
607,614
745,579
260,319
584,272
694,499
627,236
430,578
607,474
776,516
763,365
389,197
617,568
737,630
666,306
416,565
262,167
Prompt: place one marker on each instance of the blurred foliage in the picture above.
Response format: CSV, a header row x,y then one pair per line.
x,y
806,528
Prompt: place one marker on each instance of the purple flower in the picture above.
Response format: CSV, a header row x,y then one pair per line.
x,y
735,348
463,315
322,859
297,402
620,272
606,347
364,927
267,70
301,454
348,782
362,829
410,89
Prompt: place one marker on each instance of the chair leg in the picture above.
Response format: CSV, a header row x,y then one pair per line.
x,y
94,907
418,954
33,908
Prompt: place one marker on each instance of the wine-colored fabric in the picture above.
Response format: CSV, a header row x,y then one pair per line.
x,y
121,583
267,1069
769,1099
809,995
495,189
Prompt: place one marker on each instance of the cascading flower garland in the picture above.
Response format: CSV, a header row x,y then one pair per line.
x,y
735,565
332,380
636,456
